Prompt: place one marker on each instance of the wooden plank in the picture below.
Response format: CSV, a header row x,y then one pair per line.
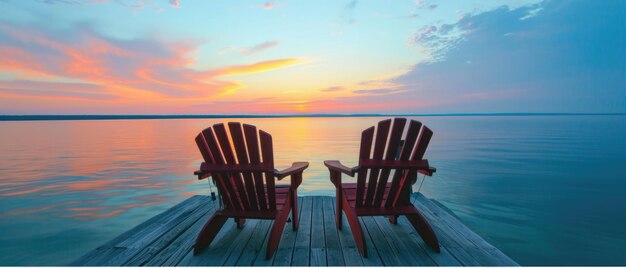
x,y
461,246
260,259
452,222
411,253
301,252
158,245
405,229
398,250
350,252
144,247
141,228
167,239
334,254
181,246
135,242
387,253
318,244
231,243
241,242
454,243
218,247
480,249
284,251
254,246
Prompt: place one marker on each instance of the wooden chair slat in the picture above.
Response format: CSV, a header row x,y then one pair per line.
x,y
242,156
221,180
382,132
204,148
252,141
423,142
392,148
405,153
267,151
367,137
222,138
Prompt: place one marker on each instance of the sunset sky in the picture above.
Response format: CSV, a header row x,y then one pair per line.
x,y
300,57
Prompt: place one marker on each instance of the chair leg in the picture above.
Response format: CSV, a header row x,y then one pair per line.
x,y
277,230
355,226
338,208
240,222
424,230
294,210
208,232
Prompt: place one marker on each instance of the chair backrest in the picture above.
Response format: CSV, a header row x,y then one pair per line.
x,y
386,152
243,176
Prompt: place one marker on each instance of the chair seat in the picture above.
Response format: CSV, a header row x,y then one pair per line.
x,y
282,192
349,190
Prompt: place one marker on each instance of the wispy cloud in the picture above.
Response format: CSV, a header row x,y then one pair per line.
x,y
259,47
333,89
347,14
174,3
55,89
269,5
134,5
266,5
379,91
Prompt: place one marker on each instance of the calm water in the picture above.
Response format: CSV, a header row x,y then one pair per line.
x,y
545,189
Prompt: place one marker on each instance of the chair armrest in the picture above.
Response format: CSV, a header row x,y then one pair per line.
x,y
428,172
202,174
335,165
296,167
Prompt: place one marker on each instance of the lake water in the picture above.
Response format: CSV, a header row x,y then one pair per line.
x,y
546,190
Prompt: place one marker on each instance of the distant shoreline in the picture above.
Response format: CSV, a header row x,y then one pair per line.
x,y
136,117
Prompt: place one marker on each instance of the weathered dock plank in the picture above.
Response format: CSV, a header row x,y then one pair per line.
x,y
318,243
301,248
334,254
123,247
284,252
167,240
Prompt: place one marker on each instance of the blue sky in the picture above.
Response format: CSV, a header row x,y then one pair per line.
x,y
277,57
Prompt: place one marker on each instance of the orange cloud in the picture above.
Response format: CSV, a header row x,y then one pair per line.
x,y
263,66
112,71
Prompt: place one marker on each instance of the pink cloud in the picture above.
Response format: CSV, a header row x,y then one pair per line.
x,y
174,3
269,5
140,69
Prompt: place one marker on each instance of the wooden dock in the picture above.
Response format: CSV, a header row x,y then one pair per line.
x,y
167,240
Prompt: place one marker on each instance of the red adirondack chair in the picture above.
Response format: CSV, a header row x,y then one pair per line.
x,y
375,195
239,177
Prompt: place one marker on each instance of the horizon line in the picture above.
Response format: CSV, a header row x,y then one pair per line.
x,y
199,116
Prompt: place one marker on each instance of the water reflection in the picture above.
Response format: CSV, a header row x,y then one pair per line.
x,y
546,190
